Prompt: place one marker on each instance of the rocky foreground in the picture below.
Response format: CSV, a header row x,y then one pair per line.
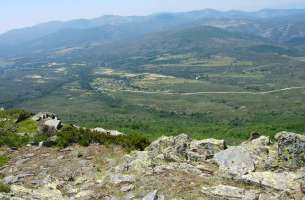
x,y
170,168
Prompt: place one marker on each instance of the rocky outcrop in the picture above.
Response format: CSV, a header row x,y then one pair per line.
x,y
170,148
174,167
44,115
256,154
48,121
182,147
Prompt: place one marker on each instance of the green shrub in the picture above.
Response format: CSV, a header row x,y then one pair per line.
x,y
23,115
70,135
4,188
13,140
27,126
3,160
38,138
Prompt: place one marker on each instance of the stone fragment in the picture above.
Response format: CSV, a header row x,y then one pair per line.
x,y
226,192
120,179
154,196
127,188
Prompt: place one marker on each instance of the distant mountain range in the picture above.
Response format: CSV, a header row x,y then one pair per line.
x,y
281,27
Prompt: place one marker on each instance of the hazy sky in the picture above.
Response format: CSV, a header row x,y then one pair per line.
x,y
20,13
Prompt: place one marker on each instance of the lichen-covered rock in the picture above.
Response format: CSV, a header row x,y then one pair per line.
x,y
226,192
153,196
284,181
291,148
181,148
201,150
47,192
138,161
262,152
172,148
235,161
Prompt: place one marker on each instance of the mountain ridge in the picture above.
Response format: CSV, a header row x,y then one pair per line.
x,y
19,39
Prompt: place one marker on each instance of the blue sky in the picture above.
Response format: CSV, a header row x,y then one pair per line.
x,y
21,13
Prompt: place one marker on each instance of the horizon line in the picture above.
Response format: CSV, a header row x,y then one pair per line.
x,y
151,14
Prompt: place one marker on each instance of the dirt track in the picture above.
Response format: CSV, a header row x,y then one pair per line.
x,y
198,93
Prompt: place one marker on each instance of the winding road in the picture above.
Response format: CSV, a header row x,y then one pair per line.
x,y
198,93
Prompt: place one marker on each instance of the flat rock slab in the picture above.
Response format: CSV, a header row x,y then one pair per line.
x,y
226,192
285,181
235,161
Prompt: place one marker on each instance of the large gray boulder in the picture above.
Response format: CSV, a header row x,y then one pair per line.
x,y
235,161
291,148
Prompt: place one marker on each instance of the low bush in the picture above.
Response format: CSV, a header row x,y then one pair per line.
x,y
3,160
13,140
4,188
23,115
70,135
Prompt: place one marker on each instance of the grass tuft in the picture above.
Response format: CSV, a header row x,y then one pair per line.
x,y
4,188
